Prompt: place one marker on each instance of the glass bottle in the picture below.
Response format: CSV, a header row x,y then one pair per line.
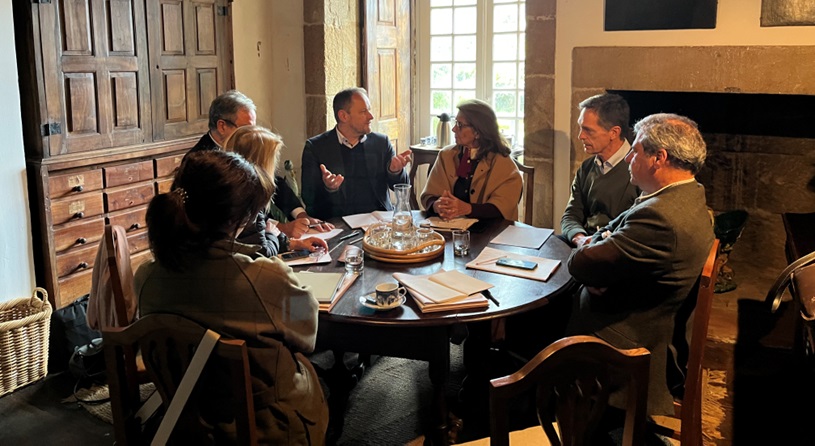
x,y
402,223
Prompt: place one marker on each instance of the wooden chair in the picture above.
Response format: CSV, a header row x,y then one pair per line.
x,y
421,155
688,407
528,197
578,374
168,343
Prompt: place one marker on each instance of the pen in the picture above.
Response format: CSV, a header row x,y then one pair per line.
x,y
354,241
491,297
346,237
314,225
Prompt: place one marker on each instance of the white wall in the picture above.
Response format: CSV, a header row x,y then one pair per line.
x,y
16,259
269,67
580,24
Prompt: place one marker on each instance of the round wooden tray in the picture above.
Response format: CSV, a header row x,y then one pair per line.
x,y
407,256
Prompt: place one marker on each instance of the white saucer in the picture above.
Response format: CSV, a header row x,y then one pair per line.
x,y
364,301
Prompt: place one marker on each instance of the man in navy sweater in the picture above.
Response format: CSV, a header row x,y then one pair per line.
x,y
349,169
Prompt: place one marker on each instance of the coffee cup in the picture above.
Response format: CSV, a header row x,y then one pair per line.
x,y
388,293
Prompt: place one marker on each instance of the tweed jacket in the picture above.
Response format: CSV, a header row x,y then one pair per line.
x,y
645,266
259,300
325,149
496,180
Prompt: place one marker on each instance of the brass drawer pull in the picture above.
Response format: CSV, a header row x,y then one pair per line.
x,y
81,240
79,215
135,226
82,265
79,188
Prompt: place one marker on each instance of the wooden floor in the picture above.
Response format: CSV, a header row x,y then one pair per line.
x,y
756,391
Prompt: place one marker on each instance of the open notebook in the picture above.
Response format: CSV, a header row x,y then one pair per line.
x,y
445,291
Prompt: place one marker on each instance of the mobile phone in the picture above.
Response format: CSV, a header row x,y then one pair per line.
x,y
514,263
291,255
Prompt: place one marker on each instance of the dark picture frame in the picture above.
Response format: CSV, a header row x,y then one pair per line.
x,y
640,15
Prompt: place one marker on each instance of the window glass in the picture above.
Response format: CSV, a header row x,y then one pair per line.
x,y
441,48
505,18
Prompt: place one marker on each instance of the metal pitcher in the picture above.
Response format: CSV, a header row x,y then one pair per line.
x,y
443,131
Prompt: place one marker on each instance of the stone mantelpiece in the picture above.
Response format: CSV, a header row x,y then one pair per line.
x,y
764,175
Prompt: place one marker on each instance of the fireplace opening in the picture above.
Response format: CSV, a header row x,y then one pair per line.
x,y
789,116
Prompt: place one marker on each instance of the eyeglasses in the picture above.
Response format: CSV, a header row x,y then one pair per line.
x,y
462,125
229,122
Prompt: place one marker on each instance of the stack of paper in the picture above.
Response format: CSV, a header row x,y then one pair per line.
x,y
364,220
523,236
309,260
327,288
488,256
445,291
460,223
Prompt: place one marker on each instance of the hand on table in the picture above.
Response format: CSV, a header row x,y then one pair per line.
x,y
399,162
449,207
332,182
310,243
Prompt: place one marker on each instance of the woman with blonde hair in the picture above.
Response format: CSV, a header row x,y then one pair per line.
x,y
261,147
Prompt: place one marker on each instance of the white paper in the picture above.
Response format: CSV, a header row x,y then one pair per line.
x,y
486,262
364,220
328,235
323,285
309,260
432,290
525,237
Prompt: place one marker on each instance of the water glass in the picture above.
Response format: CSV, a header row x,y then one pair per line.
x,y
424,235
354,260
461,243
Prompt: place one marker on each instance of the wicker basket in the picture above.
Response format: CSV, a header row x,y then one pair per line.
x,y
24,327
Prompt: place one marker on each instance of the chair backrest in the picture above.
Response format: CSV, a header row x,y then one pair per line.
x,y
528,197
112,301
421,155
577,374
167,343
688,407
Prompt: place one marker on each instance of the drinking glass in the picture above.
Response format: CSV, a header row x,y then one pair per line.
x,y
354,260
461,243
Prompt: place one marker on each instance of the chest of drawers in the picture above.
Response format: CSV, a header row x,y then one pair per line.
x,y
78,198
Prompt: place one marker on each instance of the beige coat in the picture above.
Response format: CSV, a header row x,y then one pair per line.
x,y
496,180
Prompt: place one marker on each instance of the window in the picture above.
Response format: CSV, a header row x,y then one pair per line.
x,y
471,49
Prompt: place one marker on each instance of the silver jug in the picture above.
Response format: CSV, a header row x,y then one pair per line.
x,y
443,131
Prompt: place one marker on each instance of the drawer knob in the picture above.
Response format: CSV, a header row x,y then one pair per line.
x,y
135,226
82,265
79,215
79,188
82,240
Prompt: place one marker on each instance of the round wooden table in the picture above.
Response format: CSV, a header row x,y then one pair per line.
x,y
406,332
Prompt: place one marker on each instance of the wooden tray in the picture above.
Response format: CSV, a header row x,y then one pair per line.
x,y
407,256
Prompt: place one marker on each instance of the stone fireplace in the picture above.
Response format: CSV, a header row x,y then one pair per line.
x,y
756,109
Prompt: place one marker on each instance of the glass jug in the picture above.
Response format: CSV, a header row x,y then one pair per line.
x,y
402,223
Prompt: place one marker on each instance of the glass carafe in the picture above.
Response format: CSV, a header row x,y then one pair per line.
x,y
402,223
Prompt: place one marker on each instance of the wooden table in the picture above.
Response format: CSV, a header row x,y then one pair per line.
x,y
406,332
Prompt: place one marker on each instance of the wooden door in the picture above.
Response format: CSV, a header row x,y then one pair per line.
x,y
95,74
191,54
387,69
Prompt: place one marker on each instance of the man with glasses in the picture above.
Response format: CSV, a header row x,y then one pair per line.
x,y
349,169
234,109
227,112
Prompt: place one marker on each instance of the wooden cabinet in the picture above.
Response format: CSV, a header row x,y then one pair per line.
x,y
113,93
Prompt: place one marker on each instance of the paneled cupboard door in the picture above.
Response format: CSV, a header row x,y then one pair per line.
x,y
190,51
95,74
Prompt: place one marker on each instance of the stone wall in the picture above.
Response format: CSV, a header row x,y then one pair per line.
x,y
764,175
332,46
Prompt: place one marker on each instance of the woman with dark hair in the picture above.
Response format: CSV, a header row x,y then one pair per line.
x,y
261,147
475,177
201,272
